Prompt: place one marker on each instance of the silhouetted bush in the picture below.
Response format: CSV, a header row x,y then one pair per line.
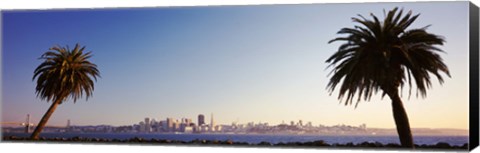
x,y
442,145
264,143
318,143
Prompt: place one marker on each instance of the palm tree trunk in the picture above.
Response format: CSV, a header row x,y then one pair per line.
x,y
401,120
44,119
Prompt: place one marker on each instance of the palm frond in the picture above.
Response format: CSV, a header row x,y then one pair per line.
x,y
65,73
384,55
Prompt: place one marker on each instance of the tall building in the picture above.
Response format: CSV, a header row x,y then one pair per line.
x,y
141,126
176,125
164,126
170,123
27,124
68,124
67,128
183,125
212,124
153,125
148,126
201,119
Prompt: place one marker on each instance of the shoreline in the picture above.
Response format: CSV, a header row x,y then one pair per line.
x,y
203,142
260,134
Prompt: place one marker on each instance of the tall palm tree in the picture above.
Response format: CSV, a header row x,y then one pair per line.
x,y
63,73
384,55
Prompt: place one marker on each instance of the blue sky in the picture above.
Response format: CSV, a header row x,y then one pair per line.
x,y
242,63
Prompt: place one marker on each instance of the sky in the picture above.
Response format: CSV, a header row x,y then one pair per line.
x,y
241,63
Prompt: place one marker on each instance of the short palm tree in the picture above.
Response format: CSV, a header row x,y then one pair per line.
x,y
384,55
63,73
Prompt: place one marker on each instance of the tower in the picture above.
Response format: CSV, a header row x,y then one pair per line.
x,y
170,123
212,124
201,119
67,128
27,124
141,126
147,125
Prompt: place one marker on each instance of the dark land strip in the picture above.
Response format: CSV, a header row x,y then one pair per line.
x,y
199,142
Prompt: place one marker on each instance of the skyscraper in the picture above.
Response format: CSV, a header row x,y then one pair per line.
x,y
27,124
147,125
141,126
212,124
201,119
170,123
176,126
164,126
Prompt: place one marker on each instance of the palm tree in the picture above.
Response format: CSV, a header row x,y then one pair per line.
x,y
384,55
63,73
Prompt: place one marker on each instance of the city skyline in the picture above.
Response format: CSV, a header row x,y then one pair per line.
x,y
186,126
243,63
151,119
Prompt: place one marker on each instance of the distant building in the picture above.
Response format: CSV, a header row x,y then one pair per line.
x,y
202,128
217,128
188,121
154,125
67,128
188,129
363,126
142,126
212,124
182,127
250,125
176,126
201,119
309,124
148,126
170,123
164,126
